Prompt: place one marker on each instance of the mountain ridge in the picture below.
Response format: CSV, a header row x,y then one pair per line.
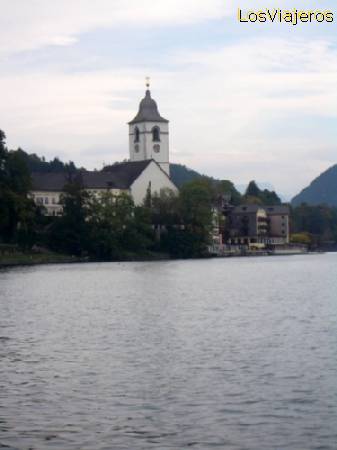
x,y
321,191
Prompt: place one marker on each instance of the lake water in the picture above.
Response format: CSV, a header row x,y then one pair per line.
x,y
234,353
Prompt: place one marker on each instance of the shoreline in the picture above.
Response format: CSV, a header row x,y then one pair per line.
x,y
55,259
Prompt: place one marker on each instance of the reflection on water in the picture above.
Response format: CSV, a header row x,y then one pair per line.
x,y
229,353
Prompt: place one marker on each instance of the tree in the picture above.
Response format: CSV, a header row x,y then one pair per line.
x,y
254,195
117,228
70,232
17,211
196,212
165,209
252,190
226,187
319,221
109,216
39,164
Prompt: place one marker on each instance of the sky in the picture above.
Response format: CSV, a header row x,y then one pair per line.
x,y
245,101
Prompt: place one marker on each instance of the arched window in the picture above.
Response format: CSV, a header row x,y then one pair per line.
x,y
137,134
155,134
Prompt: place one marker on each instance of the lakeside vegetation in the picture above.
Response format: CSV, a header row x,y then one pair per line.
x,y
13,256
114,228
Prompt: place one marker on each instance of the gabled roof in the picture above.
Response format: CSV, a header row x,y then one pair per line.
x,y
148,111
48,181
118,176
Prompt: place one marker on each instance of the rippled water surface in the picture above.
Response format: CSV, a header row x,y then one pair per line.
x,y
228,353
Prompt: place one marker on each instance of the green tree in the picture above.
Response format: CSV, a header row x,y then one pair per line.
x,y
117,227
252,190
254,195
17,211
196,212
70,232
165,209
227,188
319,221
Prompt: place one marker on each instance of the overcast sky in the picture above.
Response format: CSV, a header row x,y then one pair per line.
x,y
244,101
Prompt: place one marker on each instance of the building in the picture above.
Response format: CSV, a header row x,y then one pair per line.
x,y
148,169
256,225
248,225
278,221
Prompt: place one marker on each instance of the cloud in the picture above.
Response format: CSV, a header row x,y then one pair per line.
x,y
252,108
233,108
30,25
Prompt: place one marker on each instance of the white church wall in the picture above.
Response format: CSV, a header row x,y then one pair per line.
x,y
158,179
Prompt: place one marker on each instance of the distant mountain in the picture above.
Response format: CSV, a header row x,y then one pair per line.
x,y
323,190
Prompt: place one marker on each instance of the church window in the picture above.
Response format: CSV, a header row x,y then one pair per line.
x,y
137,134
156,134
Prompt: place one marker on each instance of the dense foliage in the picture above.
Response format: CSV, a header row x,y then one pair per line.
x,y
17,211
181,175
36,164
254,195
103,228
110,227
316,223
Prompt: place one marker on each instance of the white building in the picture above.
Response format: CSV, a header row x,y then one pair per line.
x,y
147,170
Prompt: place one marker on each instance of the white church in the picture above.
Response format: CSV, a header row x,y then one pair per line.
x,y
147,169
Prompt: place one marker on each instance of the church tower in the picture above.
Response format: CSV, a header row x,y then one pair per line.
x,y
149,134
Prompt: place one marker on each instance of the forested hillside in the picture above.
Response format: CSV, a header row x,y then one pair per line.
x,y
322,191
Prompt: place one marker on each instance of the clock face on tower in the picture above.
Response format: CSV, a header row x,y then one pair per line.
x,y
156,148
136,148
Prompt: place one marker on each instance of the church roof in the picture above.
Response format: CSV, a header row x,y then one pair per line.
x,y
117,176
148,111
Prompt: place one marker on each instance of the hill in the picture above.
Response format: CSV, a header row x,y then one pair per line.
x,y
181,174
323,190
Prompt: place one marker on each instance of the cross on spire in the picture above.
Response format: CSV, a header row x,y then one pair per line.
x,y
147,82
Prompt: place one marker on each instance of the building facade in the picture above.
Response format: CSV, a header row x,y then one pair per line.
x,y
258,226
147,171
248,224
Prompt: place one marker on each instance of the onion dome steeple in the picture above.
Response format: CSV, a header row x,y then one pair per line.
x,y
149,134
148,109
